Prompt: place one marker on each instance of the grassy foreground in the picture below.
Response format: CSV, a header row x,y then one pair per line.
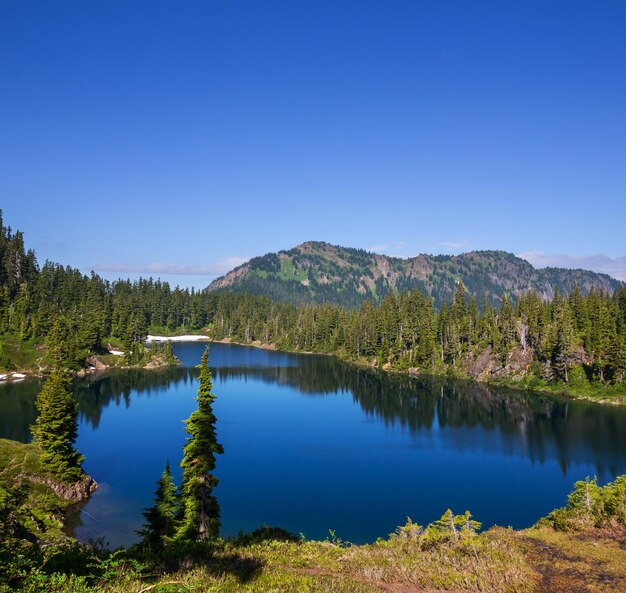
x,y
37,508
580,548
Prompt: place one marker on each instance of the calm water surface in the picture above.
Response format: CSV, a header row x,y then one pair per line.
x,y
312,444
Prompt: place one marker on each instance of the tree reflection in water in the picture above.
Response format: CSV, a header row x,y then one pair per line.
x,y
527,424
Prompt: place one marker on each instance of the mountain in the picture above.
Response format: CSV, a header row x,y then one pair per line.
x,y
317,272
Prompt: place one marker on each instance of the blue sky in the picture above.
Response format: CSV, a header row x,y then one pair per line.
x,y
176,139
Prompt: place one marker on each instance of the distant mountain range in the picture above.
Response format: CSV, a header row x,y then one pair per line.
x,y
317,272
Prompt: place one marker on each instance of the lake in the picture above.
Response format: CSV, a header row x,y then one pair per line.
x,y
312,444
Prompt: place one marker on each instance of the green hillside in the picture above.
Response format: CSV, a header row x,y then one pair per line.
x,y
317,272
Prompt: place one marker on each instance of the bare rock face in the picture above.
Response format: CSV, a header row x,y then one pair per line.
x,y
78,491
579,357
519,360
482,366
488,366
96,363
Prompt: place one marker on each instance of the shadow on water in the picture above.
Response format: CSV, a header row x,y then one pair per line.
x,y
17,409
547,427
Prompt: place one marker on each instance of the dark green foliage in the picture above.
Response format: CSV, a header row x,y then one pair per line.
x,y
199,508
405,331
56,427
266,263
165,349
265,534
161,518
19,550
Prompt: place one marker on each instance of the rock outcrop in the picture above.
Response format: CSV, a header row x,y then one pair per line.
x,y
78,491
487,365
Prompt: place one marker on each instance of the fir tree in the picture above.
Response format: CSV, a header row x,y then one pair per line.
x,y
161,518
564,337
56,427
200,510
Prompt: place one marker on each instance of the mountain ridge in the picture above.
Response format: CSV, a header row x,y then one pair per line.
x,y
319,272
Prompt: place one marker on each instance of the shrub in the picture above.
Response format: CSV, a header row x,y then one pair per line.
x,y
590,505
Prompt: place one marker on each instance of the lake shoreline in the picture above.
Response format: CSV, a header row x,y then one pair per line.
x,y
618,400
557,390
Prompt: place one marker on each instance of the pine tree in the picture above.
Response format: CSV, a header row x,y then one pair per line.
x,y
506,324
563,343
161,518
585,497
452,527
200,509
56,427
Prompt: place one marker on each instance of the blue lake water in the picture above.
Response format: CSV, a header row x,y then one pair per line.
x,y
312,444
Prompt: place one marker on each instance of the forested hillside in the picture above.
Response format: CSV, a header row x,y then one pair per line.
x,y
576,339
316,273
571,339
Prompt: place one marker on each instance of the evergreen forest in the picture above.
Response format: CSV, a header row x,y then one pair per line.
x,y
576,339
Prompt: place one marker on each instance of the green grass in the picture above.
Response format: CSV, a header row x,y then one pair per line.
x,y
16,355
111,342
15,459
538,560
42,509
111,360
590,561
289,272
490,565
578,387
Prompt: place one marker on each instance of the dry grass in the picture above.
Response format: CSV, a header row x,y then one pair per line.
x,y
586,562
498,561
489,564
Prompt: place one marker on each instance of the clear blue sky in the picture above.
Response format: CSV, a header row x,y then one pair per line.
x,y
162,137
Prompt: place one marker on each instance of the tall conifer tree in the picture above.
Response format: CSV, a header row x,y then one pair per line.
x,y
56,427
200,509
161,518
